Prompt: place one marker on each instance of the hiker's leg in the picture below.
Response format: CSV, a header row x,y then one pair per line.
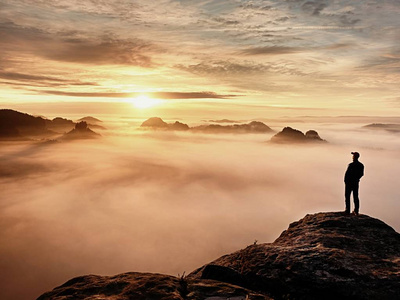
x,y
356,199
347,193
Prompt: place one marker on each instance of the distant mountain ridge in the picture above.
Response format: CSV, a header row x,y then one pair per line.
x,y
252,127
326,256
224,121
395,128
15,125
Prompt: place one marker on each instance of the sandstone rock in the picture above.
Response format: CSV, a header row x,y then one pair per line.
x,y
322,256
147,286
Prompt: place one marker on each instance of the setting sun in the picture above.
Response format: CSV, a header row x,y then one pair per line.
x,y
144,101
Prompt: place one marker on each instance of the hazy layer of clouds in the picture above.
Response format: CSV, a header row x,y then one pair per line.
x,y
170,202
29,79
225,68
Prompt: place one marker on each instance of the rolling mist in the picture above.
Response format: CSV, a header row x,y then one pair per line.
x,y
169,202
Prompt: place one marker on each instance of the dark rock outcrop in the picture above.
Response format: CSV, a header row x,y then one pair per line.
x,y
322,256
146,286
290,135
81,131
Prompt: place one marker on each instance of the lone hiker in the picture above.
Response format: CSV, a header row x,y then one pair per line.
x,y
354,172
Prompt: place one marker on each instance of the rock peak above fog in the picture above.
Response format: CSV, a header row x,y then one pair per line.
x,y
81,131
322,256
290,135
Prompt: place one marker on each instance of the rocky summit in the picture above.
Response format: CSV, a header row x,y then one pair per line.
x,y
147,286
322,256
81,131
290,135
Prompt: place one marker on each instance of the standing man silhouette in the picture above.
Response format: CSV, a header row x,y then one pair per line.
x,y
354,172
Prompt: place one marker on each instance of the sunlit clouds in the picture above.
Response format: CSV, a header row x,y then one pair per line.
x,y
143,101
328,54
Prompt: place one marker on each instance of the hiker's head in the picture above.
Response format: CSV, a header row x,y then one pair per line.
x,y
356,155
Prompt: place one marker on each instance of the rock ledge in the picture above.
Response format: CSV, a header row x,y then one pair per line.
x,y
322,256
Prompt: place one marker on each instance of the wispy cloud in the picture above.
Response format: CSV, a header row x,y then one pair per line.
x,y
314,8
40,79
279,50
224,68
160,95
272,50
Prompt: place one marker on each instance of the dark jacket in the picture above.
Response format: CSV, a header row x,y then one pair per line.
x,y
354,172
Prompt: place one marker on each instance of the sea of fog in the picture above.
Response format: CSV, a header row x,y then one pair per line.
x,y
169,202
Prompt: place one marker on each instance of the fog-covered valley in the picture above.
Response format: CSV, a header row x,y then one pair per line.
x,y
168,202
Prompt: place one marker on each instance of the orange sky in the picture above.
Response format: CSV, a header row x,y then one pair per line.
x,y
324,57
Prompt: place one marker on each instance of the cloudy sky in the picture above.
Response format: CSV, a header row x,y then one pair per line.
x,y
340,55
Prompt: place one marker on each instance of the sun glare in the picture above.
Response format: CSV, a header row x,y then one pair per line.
x,y
144,101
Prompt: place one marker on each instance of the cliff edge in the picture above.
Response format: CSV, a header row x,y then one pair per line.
x,y
322,256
